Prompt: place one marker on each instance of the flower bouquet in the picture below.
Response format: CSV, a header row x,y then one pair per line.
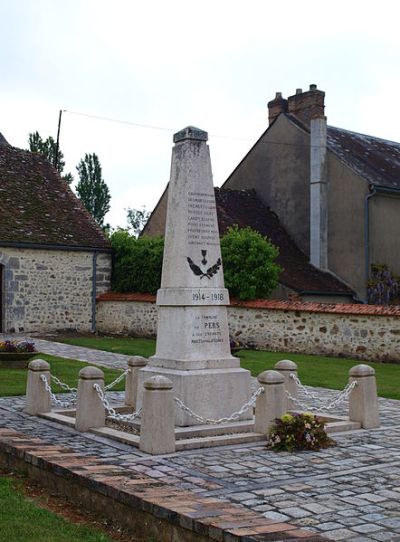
x,y
294,432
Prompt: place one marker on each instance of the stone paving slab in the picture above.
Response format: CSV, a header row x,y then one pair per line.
x,y
350,492
142,495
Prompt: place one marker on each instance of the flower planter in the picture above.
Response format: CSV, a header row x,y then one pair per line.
x,y
16,360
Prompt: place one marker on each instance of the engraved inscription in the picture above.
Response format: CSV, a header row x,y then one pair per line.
x,y
206,329
202,223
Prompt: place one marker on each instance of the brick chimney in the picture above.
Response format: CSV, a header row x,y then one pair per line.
x,y
276,106
307,105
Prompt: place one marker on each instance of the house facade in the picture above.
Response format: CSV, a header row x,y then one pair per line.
x,y
54,259
335,192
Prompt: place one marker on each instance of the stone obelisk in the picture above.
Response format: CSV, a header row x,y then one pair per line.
x,y
193,348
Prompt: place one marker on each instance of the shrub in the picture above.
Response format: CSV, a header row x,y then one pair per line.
x,y
249,264
383,288
298,432
137,262
248,258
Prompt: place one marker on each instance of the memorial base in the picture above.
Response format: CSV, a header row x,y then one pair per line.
x,y
211,393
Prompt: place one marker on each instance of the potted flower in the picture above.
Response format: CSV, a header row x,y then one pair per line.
x,y
15,353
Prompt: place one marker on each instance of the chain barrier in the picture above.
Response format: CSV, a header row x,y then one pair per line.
x,y
117,380
233,417
112,413
63,385
324,405
62,404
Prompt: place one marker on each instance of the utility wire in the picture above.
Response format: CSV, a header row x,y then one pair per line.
x,y
148,126
173,130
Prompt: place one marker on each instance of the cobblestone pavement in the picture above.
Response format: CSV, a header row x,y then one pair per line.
x,y
98,357
350,492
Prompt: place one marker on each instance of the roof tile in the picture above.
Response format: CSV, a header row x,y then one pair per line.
x,y
38,207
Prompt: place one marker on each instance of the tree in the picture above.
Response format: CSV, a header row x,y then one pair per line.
x,y
92,189
137,219
250,270
48,147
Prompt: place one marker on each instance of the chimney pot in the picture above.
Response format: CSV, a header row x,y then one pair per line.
x,y
307,105
276,106
299,91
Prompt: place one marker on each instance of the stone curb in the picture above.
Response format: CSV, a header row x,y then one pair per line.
x,y
149,507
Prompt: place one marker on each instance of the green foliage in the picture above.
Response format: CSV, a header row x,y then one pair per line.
x,y
138,262
92,189
298,432
249,268
383,288
137,219
318,371
13,381
48,147
24,519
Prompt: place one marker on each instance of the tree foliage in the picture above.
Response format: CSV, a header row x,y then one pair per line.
x,y
137,219
48,147
92,189
137,263
248,258
250,270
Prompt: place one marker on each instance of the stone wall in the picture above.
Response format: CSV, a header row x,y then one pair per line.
x,y
45,290
364,332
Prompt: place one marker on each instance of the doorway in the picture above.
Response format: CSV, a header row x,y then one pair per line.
x,y
1,298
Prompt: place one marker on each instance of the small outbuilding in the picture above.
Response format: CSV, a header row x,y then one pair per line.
x,y
54,258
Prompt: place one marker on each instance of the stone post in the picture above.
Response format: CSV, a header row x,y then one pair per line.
x,y
37,398
131,382
272,403
90,411
287,368
157,433
363,400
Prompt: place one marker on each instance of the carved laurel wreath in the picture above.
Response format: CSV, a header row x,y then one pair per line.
x,y
210,272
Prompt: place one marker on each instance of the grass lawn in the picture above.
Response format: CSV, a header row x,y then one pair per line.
x,y
22,520
131,346
13,381
323,371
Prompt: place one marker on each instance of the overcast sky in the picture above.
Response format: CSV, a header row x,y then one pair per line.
x,y
210,63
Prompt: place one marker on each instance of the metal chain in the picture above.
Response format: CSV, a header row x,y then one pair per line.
x,y
112,413
63,404
117,380
62,385
303,389
235,416
341,397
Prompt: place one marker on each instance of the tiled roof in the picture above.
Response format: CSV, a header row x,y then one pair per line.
x,y
243,207
278,305
38,207
331,308
376,160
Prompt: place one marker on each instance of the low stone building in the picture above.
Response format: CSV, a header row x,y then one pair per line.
x,y
54,259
